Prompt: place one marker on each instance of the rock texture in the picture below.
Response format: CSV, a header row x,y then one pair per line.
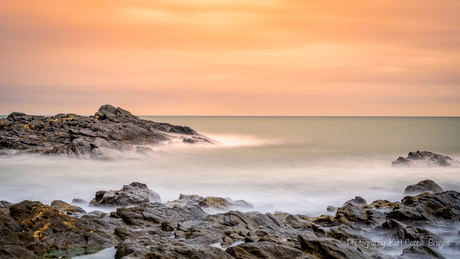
x,y
423,186
183,229
132,194
425,158
105,135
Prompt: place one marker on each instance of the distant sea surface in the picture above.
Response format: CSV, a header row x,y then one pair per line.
x,y
291,164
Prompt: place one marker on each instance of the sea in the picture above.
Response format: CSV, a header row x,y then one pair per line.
x,y
299,165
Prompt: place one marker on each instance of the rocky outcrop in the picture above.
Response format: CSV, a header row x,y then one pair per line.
x,y
356,201
423,186
424,158
132,194
106,135
183,229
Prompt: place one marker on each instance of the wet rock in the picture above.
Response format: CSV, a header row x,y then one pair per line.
x,y
330,248
4,207
132,194
331,209
356,201
67,208
423,186
428,207
420,235
425,158
215,203
32,228
352,213
107,135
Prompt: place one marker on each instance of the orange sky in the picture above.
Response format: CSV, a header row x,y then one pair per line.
x,y
231,57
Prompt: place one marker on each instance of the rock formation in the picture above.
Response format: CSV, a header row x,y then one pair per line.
x,y
425,158
104,136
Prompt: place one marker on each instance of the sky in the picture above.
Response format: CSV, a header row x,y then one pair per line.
x,y
231,57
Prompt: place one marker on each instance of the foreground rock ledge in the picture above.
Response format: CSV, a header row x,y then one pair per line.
x,y
154,230
105,135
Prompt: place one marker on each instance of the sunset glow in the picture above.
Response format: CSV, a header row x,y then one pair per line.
x,y
231,57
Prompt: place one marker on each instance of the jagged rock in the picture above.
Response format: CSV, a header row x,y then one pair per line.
x,y
428,207
331,209
424,158
134,193
67,208
215,203
418,234
423,186
106,135
330,248
356,201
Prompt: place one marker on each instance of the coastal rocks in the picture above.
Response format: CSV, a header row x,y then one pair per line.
x,y
109,134
211,204
134,193
421,252
424,158
267,250
428,207
423,186
32,228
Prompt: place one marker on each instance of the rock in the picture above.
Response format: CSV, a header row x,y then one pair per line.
x,y
4,207
32,229
356,201
352,213
211,204
427,207
331,209
425,158
330,248
67,208
134,193
420,252
423,186
420,235
109,134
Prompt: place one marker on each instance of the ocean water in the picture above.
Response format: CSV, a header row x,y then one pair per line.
x,y
291,164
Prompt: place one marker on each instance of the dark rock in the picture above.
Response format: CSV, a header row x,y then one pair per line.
x,y
426,158
134,193
356,201
211,204
423,236
106,135
423,186
331,209
330,248
427,207
32,228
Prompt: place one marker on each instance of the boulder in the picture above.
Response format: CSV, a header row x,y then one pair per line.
x,y
132,194
356,201
423,186
211,204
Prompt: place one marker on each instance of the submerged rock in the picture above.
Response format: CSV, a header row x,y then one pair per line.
x,y
426,158
106,135
423,186
132,194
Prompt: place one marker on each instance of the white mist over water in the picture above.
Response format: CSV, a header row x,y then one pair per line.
x,y
292,164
